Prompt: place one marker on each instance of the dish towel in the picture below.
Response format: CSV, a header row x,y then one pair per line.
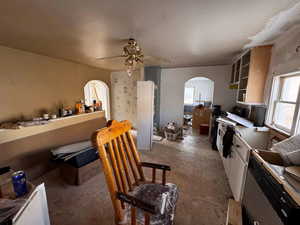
x,y
227,141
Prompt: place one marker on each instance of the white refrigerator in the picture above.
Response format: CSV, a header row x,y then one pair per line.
x,y
145,114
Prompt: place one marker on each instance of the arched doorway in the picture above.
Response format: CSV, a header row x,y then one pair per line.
x,y
198,91
99,91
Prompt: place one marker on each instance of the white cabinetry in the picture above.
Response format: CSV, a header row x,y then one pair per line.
x,y
238,169
236,163
226,161
227,165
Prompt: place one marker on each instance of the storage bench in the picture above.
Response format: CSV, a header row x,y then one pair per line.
x,y
78,175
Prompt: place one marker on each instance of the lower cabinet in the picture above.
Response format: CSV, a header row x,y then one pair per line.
x,y
236,164
227,165
237,175
226,161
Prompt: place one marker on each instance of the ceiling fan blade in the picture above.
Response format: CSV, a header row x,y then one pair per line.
x,y
156,59
110,57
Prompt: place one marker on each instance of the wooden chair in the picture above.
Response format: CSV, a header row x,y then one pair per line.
x,y
133,197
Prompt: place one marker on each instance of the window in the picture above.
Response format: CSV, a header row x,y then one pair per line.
x,y
284,103
189,95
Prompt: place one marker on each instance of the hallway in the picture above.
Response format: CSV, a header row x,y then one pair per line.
x,y
196,169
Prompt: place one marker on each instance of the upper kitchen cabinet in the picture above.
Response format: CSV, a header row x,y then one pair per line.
x,y
249,73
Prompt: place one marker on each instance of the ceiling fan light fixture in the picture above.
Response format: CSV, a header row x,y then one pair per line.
x,y
130,65
132,55
130,69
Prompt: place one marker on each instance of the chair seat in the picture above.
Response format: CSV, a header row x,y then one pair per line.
x,y
164,197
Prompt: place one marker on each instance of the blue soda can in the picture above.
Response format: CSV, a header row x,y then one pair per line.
x,y
19,183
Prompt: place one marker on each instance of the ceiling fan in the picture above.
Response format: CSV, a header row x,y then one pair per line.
x,y
133,56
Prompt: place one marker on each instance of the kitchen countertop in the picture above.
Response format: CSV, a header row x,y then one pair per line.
x,y
255,137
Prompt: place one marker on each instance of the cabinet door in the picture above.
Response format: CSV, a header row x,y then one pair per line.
x,y
35,210
226,161
242,148
258,71
237,175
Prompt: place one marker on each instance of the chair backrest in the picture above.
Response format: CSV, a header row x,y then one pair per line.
x,y
120,161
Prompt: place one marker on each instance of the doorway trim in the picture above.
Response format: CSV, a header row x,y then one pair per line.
x,y
103,84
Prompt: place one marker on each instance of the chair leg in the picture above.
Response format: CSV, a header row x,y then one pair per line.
x,y
153,175
147,219
133,216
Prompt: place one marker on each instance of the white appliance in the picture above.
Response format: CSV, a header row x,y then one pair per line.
x,y
35,210
145,113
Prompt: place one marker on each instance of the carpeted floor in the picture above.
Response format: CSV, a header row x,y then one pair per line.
x,y
196,169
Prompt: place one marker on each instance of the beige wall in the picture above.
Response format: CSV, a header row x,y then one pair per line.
x,y
30,83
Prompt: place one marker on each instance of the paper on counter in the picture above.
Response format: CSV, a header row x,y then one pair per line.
x,y
240,120
262,129
228,122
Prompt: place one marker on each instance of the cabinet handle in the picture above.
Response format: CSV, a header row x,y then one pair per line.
x,y
284,213
283,200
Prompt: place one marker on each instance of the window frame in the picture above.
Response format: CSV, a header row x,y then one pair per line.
x,y
193,88
276,97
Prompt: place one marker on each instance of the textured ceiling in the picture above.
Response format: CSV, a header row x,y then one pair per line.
x,y
185,32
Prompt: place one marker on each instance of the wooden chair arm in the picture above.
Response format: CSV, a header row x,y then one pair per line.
x,y
155,166
137,203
